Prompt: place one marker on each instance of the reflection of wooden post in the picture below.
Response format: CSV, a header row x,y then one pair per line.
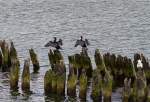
x,y
26,76
34,60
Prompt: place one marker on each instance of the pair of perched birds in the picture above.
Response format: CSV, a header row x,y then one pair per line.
x,y
57,44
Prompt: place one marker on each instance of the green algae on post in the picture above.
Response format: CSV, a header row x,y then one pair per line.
x,y
57,62
61,85
34,60
14,75
99,61
13,54
48,82
54,83
107,85
97,86
6,57
83,86
71,85
25,85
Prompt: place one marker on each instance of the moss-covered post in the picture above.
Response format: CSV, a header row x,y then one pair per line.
x,y
85,64
83,86
61,84
6,57
57,62
107,85
126,90
148,94
141,85
48,82
34,60
1,59
71,85
13,54
99,60
14,75
54,83
72,67
97,86
25,85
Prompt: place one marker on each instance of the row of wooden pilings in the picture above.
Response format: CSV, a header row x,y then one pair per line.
x,y
112,71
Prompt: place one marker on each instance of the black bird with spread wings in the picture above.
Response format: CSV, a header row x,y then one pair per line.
x,y
56,44
82,43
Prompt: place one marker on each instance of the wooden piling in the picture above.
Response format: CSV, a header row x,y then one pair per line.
x,y
83,86
97,86
25,85
126,90
34,60
14,75
71,85
61,85
48,82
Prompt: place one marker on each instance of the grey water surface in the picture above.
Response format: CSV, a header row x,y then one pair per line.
x,y
117,26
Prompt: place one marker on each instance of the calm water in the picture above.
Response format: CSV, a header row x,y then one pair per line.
x,y
119,26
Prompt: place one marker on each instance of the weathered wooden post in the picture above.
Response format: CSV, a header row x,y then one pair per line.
x,y
97,86
6,57
71,85
13,54
61,84
107,85
48,82
54,83
1,59
83,86
126,90
148,94
14,75
34,60
26,76
57,62
99,60
141,86
72,68
86,64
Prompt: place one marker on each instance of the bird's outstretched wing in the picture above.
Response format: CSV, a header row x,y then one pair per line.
x,y
87,42
47,44
60,42
77,43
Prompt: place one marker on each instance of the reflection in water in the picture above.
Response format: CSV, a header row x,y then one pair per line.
x,y
34,76
54,98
